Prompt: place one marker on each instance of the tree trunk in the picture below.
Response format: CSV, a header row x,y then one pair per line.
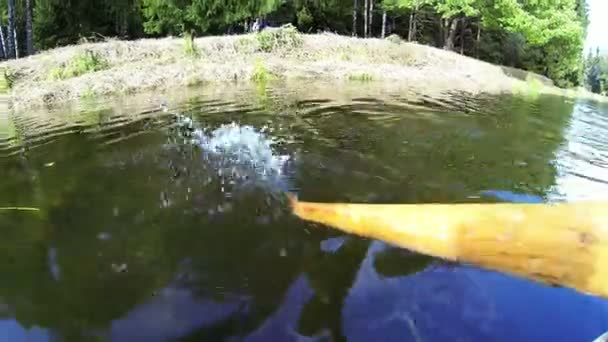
x,y
451,34
16,45
365,17
29,27
463,23
383,34
478,39
11,29
355,4
414,25
409,27
371,17
2,42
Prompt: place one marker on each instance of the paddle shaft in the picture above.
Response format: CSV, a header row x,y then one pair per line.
x,y
561,244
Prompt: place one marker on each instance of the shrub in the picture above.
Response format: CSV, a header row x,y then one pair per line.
x,y
285,37
81,64
394,38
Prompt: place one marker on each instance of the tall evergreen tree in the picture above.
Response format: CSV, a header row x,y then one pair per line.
x,y
11,41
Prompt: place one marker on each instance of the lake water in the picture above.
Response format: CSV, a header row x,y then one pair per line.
x,y
169,223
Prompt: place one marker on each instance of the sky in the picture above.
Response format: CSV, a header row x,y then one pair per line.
x,y
597,34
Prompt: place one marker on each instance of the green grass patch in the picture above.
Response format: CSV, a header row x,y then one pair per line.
x,y
244,44
261,74
190,48
284,37
81,64
362,77
531,89
193,81
88,93
7,79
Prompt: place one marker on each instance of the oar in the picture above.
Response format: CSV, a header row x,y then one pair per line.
x,y
558,244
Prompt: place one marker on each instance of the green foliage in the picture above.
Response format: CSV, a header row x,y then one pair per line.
x,y
597,73
260,73
304,19
545,36
362,77
530,90
81,64
59,22
88,94
452,8
6,81
163,17
285,37
177,16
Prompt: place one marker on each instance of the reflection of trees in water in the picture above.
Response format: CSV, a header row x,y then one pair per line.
x,y
161,208
438,156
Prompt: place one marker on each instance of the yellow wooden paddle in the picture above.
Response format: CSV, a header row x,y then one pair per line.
x,y
558,244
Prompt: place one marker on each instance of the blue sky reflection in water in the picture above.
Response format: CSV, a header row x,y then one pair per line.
x,y
171,226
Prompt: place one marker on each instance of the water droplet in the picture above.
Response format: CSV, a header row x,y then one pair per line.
x,y
103,236
119,268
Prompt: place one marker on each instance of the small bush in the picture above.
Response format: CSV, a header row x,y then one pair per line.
x,y
304,18
190,48
394,38
86,62
285,37
364,77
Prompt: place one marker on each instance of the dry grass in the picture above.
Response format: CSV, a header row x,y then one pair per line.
x,y
133,66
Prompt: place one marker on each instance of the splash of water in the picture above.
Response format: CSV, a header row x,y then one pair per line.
x,y
239,155
243,150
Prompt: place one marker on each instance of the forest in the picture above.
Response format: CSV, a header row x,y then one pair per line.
x,y
543,36
597,72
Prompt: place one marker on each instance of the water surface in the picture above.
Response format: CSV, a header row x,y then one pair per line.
x,y
163,218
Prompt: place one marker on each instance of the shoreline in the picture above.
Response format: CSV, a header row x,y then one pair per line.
x,y
115,67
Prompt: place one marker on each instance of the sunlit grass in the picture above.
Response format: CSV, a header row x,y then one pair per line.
x,y
190,48
284,37
362,77
6,80
81,64
260,73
